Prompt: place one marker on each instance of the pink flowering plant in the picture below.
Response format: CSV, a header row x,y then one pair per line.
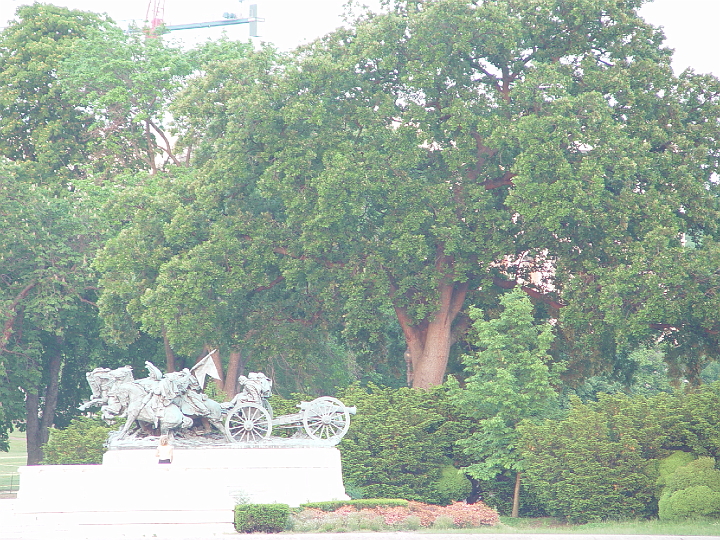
x,y
408,516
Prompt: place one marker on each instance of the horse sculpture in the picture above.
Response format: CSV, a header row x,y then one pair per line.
x,y
165,403
140,409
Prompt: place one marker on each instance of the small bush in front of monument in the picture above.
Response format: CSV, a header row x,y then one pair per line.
x,y
266,518
82,442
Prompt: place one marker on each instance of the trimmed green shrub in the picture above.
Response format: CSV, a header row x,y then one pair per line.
x,y
690,503
452,485
700,472
664,468
267,518
359,504
677,459
82,442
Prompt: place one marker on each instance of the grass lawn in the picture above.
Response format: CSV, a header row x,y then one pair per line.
x,y
10,461
708,527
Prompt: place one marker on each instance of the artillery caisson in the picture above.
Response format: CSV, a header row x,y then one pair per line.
x,y
324,419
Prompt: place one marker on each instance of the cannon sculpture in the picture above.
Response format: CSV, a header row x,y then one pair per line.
x,y
171,403
322,419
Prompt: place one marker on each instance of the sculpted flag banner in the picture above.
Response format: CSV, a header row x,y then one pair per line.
x,y
205,367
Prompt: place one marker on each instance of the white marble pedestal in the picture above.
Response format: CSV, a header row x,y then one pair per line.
x,y
201,486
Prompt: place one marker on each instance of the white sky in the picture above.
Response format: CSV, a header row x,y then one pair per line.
x,y
692,27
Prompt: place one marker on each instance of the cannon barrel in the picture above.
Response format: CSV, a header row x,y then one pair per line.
x,y
351,410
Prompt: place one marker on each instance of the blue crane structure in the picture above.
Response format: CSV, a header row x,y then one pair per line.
x,y
156,12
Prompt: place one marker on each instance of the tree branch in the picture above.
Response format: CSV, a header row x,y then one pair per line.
x,y
504,180
8,327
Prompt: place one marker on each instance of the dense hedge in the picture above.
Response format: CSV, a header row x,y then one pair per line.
x,y
266,518
402,444
585,469
604,460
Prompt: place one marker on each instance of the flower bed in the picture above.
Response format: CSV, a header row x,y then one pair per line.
x,y
411,517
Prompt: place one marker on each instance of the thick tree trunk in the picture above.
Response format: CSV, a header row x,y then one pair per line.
x,y
428,342
32,428
236,366
38,424
169,354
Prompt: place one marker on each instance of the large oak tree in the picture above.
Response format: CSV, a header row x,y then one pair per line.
x,y
430,156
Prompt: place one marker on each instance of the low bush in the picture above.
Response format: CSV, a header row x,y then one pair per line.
x,y
699,472
689,503
452,485
443,522
266,518
82,442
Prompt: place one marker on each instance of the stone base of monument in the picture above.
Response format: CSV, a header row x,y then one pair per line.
x,y
201,486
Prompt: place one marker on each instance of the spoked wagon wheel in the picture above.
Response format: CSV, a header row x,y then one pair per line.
x,y
326,418
248,422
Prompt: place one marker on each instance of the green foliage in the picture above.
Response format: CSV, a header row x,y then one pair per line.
x,y
690,489
212,391
509,379
127,81
282,406
81,442
48,293
399,442
452,485
358,504
644,371
593,465
700,423
265,518
690,503
668,465
711,372
612,458
393,167
699,472
40,125
498,493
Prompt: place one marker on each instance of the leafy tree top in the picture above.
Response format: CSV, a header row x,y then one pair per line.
x,y
446,150
39,124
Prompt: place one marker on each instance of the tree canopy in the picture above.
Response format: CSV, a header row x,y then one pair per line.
x,y
307,209
447,150
39,125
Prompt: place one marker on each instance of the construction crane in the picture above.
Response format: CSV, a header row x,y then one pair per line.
x,y
156,13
